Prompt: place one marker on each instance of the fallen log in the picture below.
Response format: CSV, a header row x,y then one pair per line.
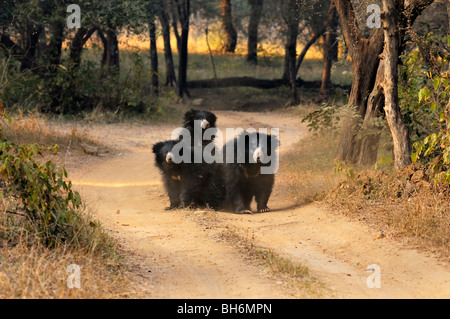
x,y
237,81
252,82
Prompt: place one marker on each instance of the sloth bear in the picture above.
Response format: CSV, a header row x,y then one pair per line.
x,y
189,184
170,171
244,178
205,120
203,186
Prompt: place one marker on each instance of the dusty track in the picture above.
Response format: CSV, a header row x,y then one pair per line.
x,y
180,254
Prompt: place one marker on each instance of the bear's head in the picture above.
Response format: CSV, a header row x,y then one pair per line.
x,y
207,119
260,151
164,157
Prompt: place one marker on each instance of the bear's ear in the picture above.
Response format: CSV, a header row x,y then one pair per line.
x,y
189,115
213,119
189,119
275,141
157,147
272,141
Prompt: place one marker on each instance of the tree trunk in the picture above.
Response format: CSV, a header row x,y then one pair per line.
x,y
153,54
102,37
230,31
448,30
54,48
300,58
292,55
256,7
53,55
291,18
183,12
31,39
365,66
305,50
327,50
76,47
13,50
173,7
112,50
110,57
365,60
168,57
399,131
370,131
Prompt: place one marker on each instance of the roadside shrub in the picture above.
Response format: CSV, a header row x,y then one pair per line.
x,y
37,200
425,97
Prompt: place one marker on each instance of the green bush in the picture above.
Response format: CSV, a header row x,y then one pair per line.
x,y
435,148
77,90
424,92
38,200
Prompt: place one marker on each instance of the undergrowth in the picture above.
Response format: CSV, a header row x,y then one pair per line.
x,y
406,205
44,227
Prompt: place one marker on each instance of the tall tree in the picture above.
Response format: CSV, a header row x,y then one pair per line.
x,y
112,50
164,18
365,54
310,17
81,37
329,44
153,49
365,60
183,9
31,39
291,18
399,131
256,8
230,31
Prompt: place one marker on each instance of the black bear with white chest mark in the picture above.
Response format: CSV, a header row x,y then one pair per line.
x,y
189,184
243,177
170,171
209,190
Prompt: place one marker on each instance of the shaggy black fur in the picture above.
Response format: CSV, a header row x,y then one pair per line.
x,y
203,186
170,171
206,118
189,184
244,181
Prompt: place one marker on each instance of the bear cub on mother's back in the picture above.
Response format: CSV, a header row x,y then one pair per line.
x,y
202,120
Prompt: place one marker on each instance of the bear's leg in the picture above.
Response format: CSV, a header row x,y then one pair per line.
x,y
262,193
236,198
192,189
185,199
247,196
261,201
173,189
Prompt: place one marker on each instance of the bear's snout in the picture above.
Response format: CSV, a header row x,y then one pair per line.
x,y
257,155
205,124
169,158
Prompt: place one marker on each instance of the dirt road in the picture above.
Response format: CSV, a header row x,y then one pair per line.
x,y
181,254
